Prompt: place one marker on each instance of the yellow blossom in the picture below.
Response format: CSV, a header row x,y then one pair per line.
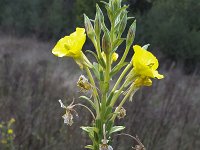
x,y
113,58
10,131
71,45
145,65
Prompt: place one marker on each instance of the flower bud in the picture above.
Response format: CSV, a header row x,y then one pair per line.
x,y
97,22
116,4
106,42
89,28
131,34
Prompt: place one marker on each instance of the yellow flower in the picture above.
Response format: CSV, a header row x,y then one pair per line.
x,y
145,65
113,58
71,45
10,131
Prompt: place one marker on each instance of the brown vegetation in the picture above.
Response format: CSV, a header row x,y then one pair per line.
x,y
164,116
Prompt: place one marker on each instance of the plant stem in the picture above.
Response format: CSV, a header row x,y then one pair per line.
x,y
122,102
79,104
94,93
117,84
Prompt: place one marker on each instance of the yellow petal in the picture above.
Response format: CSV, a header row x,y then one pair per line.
x,y
157,75
142,82
145,63
71,46
60,50
115,56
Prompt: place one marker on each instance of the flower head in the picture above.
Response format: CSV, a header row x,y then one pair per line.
x,y
145,67
68,116
71,45
145,63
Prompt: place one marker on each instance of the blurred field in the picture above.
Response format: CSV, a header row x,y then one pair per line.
x,y
164,116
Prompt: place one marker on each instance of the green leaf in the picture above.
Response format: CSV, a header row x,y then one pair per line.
x,y
91,52
90,129
116,129
88,99
89,147
119,11
131,34
117,43
102,62
96,70
108,112
109,98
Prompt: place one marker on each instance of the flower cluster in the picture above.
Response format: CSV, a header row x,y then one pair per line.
x,y
132,75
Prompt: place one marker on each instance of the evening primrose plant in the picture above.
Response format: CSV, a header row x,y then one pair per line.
x,y
106,102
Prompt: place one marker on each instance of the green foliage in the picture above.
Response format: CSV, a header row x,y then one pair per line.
x,y
46,19
173,26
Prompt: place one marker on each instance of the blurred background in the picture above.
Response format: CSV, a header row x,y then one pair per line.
x,y
164,116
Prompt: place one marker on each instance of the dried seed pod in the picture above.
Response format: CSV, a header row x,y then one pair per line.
x,y
84,84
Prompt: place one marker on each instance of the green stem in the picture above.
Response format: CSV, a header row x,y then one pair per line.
x,y
94,93
124,55
116,95
117,84
122,103
79,104
121,76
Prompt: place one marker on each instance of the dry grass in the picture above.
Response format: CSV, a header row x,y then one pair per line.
x,y
165,116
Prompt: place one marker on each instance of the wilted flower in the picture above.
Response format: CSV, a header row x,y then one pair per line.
x,y
68,116
83,83
105,147
71,45
122,113
145,65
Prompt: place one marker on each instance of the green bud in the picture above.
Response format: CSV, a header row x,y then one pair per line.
x,y
106,42
97,23
89,27
131,34
101,16
116,4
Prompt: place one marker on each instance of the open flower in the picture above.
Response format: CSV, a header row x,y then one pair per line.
x,y
71,45
145,65
68,116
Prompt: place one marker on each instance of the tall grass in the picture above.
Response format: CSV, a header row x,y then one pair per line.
x,y
165,117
